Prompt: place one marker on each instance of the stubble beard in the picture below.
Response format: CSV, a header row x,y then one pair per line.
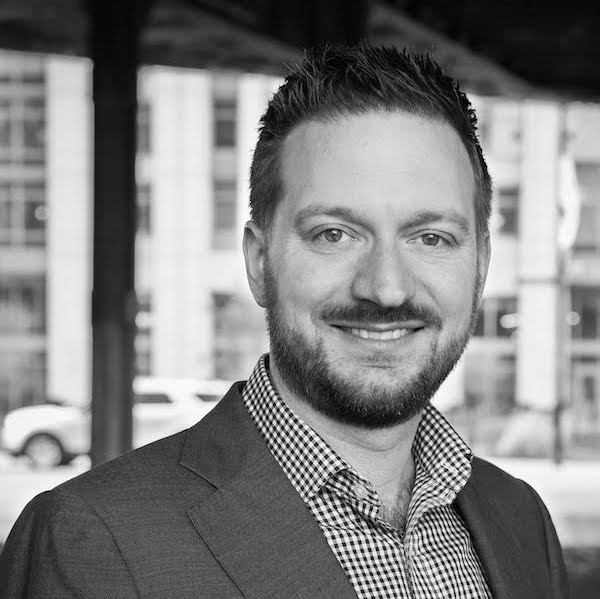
x,y
307,371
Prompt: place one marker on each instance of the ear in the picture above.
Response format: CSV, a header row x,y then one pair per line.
x,y
255,251
483,262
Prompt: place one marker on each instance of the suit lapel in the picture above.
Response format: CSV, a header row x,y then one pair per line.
x,y
496,530
255,523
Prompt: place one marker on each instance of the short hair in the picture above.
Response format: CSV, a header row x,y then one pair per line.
x,y
334,81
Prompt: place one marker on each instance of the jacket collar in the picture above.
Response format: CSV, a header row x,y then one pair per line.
x,y
497,530
255,516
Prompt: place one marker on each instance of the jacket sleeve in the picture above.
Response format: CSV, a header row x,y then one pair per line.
x,y
60,548
554,554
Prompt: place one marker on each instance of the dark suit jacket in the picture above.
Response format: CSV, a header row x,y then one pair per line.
x,y
208,513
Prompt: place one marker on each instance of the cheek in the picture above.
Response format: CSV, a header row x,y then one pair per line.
x,y
452,291
306,284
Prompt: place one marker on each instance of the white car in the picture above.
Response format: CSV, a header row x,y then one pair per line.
x,y
53,434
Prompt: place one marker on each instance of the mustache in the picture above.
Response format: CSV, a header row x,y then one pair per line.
x,y
370,313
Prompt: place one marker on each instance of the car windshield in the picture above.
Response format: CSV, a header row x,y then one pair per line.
x,y
210,397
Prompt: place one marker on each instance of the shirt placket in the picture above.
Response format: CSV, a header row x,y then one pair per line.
x,y
429,493
365,501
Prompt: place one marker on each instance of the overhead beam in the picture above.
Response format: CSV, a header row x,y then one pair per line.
x,y
390,26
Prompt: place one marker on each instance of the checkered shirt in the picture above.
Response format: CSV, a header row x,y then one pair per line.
x,y
433,557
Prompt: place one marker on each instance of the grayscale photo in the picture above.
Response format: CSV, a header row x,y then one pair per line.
x,y
299,300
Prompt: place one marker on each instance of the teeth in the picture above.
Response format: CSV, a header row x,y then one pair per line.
x,y
380,335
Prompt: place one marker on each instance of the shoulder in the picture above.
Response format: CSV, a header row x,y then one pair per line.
x,y
482,470
156,461
101,520
125,489
120,487
493,479
59,542
506,489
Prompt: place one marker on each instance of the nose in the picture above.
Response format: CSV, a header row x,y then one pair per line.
x,y
383,277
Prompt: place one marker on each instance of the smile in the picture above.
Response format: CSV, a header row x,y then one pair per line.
x,y
379,335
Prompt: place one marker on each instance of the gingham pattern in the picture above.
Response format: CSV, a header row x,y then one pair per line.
x,y
434,558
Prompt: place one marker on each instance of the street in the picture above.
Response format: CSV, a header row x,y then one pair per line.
x,y
571,492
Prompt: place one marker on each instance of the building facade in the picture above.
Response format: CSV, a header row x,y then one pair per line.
x,y
538,337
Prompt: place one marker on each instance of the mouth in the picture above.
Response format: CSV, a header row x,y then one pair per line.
x,y
375,333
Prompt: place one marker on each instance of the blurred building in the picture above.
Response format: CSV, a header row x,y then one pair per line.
x,y
196,315
538,336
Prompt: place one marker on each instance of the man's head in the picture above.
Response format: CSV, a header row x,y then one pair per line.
x,y
368,246
342,81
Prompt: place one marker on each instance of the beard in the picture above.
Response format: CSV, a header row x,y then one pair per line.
x,y
309,373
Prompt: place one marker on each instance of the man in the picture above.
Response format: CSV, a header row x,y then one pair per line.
x,y
328,474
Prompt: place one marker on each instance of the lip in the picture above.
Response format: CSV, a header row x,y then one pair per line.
x,y
379,328
378,334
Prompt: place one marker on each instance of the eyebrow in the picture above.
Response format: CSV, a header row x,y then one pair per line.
x,y
417,219
424,217
335,211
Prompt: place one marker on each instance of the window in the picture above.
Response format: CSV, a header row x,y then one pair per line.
x,y
143,336
239,335
143,208
34,213
498,317
490,381
507,203
23,120
22,305
588,235
585,406
151,398
224,93
22,214
585,312
224,90
6,211
224,214
225,121
144,114
34,124
209,398
227,326
22,378
5,125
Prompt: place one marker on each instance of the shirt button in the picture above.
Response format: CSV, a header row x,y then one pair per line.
x,y
360,491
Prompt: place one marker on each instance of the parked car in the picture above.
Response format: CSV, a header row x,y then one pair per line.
x,y
54,433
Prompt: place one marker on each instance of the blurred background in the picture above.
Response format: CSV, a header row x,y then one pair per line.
x,y
526,394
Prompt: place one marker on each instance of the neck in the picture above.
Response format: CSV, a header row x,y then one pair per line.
x,y
383,456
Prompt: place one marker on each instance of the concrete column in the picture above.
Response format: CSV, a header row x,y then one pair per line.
x,y
538,264
182,217
69,199
195,135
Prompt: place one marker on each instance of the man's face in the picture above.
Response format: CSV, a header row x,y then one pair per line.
x,y
371,274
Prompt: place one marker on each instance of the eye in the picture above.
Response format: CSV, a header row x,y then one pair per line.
x,y
432,239
332,235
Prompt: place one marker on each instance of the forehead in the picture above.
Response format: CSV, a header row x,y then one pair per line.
x,y
395,160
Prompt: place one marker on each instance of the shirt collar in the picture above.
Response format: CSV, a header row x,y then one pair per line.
x,y
441,451
305,457
309,462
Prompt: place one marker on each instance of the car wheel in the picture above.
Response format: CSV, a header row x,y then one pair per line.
x,y
44,451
